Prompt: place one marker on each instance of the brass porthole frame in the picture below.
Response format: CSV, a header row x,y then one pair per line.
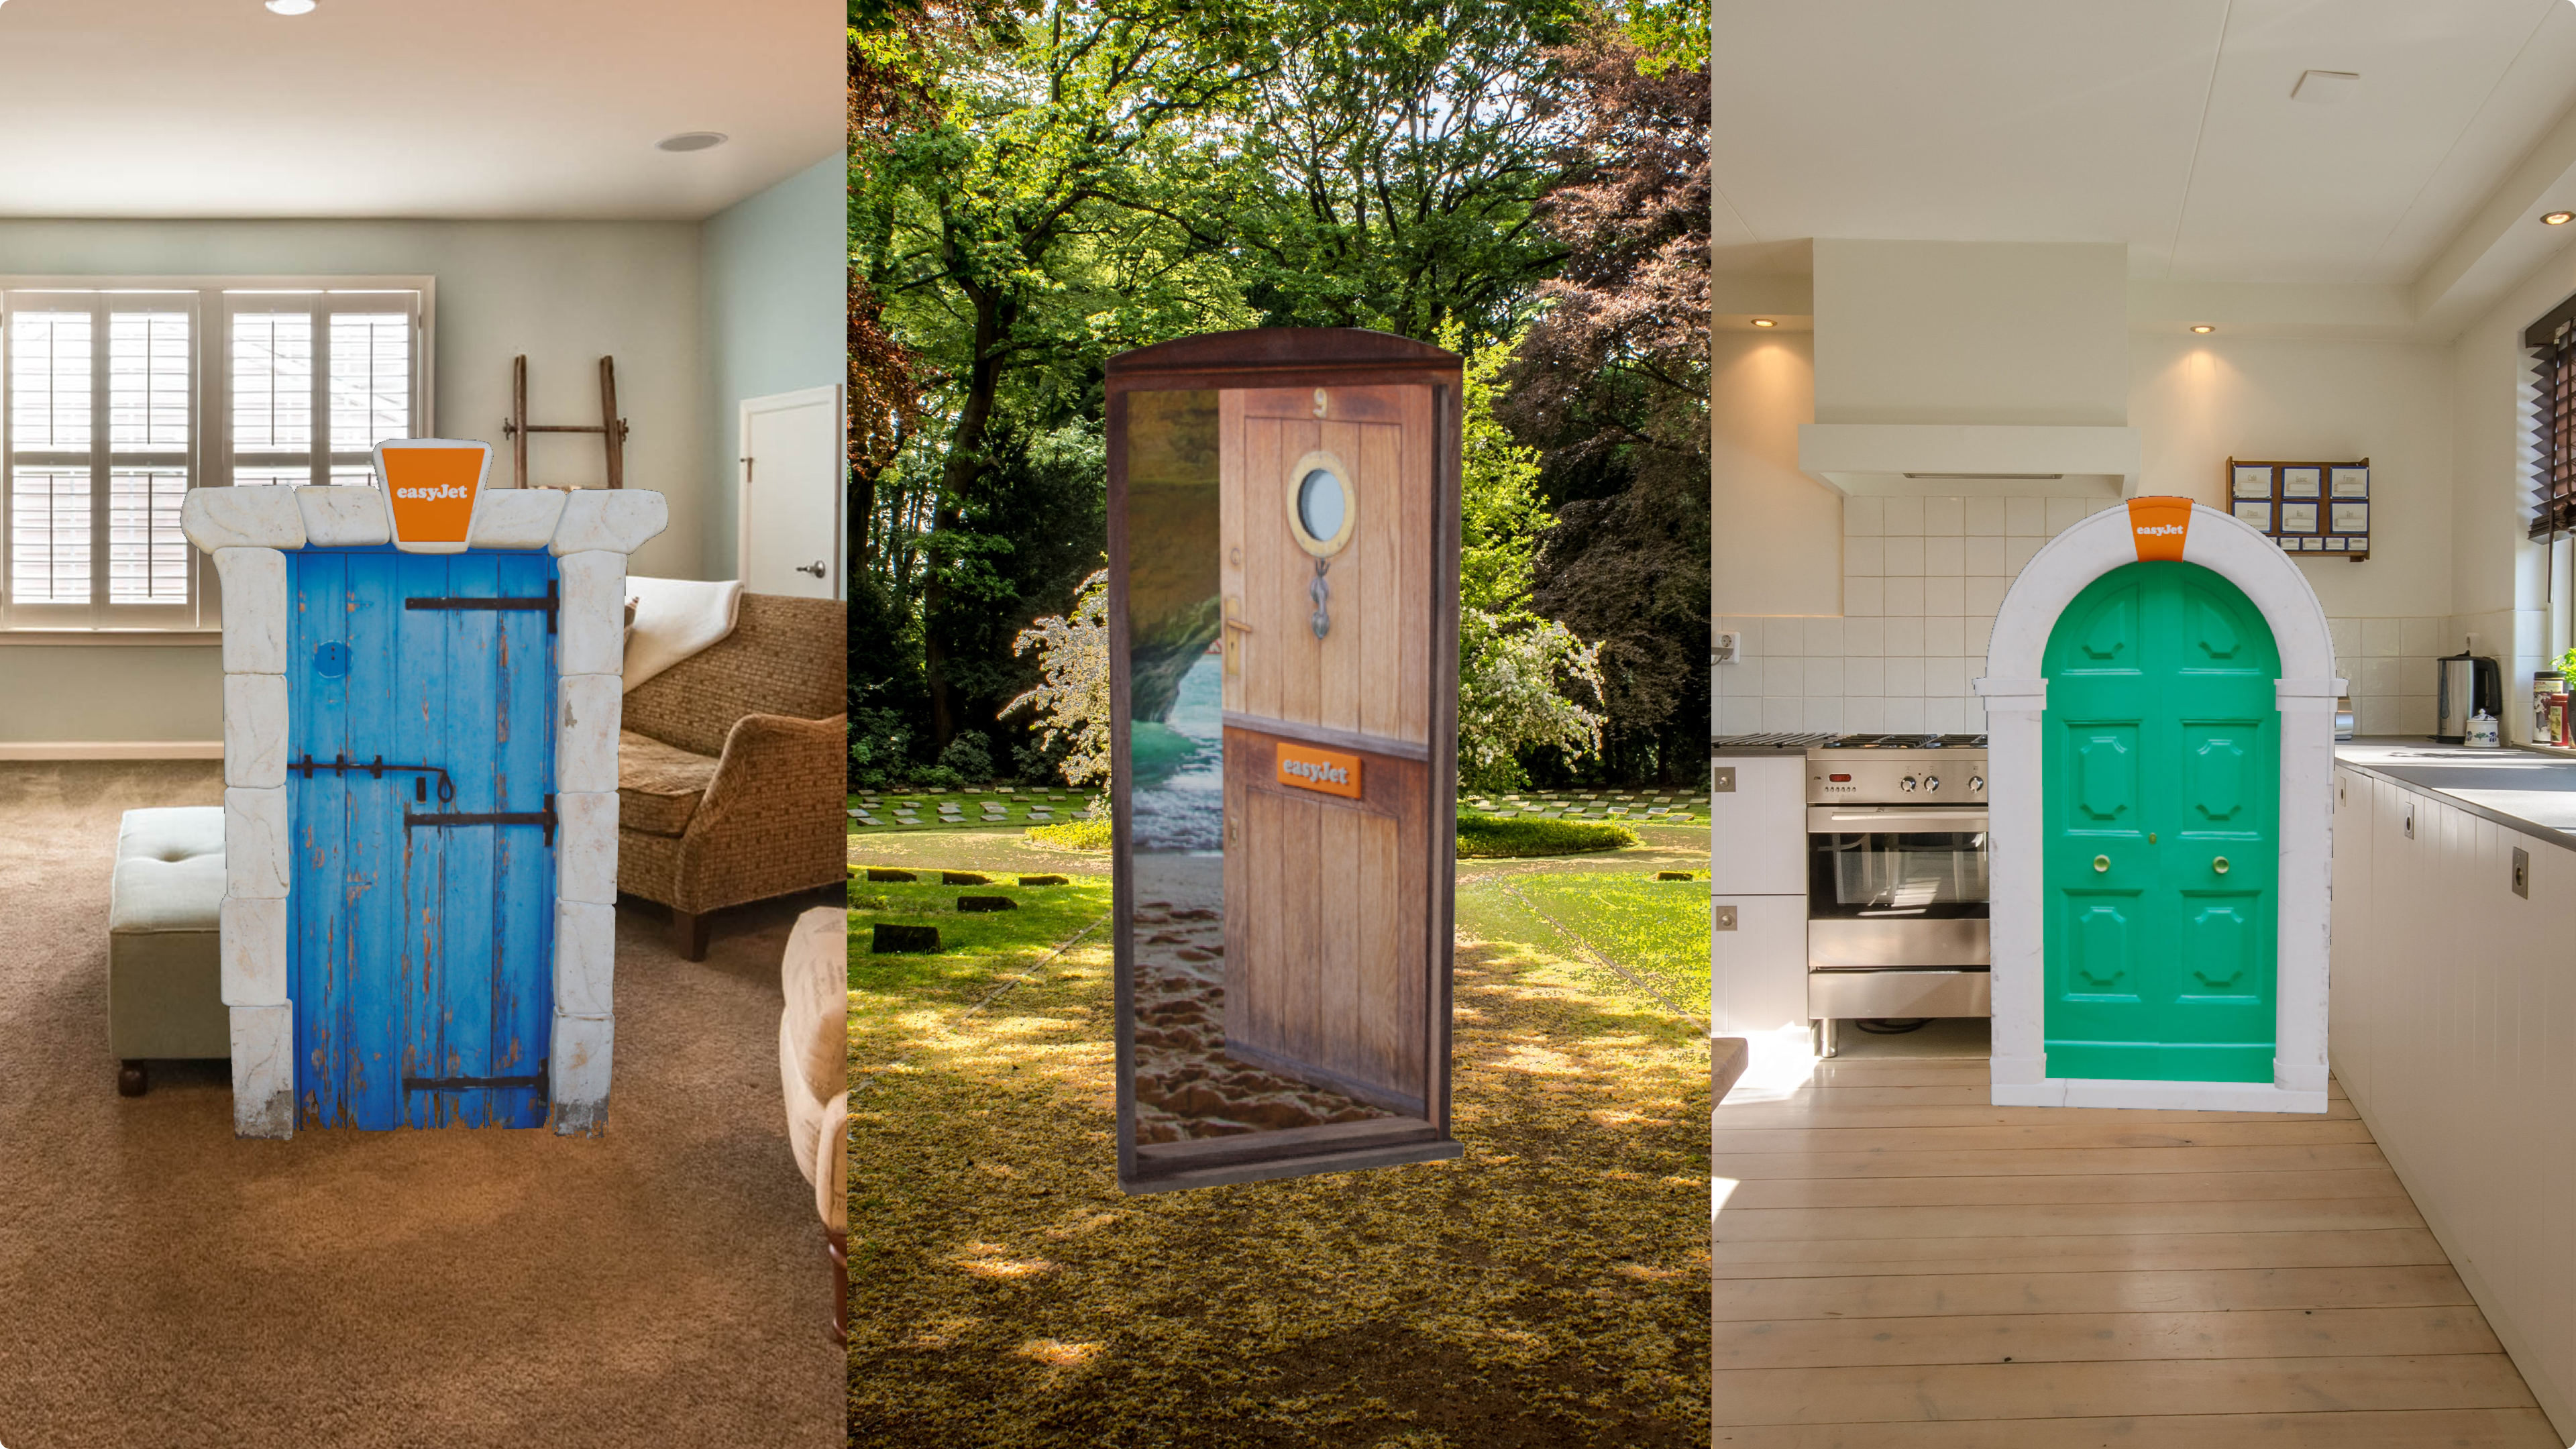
x,y
1326,460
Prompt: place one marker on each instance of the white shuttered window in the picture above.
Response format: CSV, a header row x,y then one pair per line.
x,y
116,400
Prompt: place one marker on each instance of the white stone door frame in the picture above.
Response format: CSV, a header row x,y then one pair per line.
x,y
2016,696
248,532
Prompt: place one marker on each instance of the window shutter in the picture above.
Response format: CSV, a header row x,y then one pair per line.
x,y
2552,341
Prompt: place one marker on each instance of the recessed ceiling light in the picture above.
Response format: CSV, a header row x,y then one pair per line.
x,y
2558,218
2326,87
2202,327
1764,322
685,141
290,7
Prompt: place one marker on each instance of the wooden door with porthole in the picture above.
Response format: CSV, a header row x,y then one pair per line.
x,y
1326,521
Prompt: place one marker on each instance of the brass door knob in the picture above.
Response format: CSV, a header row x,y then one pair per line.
x,y
2101,862
2219,865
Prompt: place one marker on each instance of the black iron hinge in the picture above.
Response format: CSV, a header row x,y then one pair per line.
x,y
446,819
548,603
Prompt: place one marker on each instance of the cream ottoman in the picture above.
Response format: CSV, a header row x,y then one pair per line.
x,y
165,995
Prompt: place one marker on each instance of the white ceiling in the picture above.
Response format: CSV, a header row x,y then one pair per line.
x,y
2165,124
409,108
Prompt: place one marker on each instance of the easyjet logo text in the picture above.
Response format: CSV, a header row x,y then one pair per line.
x,y
450,491
1315,771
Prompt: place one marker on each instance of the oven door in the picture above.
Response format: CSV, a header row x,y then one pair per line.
x,y
1895,886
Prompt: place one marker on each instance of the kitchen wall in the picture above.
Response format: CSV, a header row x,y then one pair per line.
x,y
1872,613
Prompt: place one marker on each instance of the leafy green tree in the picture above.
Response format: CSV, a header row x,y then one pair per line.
x,y
1519,674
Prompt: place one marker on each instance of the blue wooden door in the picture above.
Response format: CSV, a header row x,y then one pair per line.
x,y
421,949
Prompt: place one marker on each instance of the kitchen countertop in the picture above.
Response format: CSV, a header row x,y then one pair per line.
x,y
1740,747
2520,789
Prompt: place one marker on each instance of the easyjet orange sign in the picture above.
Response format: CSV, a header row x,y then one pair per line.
x,y
2158,525
431,485
1328,772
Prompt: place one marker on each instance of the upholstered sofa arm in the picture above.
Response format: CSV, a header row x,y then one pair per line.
x,y
832,1174
774,766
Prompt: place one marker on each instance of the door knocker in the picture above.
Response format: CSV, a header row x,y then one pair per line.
x,y
1322,508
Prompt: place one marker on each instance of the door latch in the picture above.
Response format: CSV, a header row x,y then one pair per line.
x,y
815,568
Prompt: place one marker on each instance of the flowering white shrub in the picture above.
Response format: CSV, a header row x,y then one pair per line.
x,y
1071,700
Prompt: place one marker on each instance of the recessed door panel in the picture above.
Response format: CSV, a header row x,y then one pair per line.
x,y
2160,755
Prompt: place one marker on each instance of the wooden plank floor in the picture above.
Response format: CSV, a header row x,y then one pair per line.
x,y
1900,1265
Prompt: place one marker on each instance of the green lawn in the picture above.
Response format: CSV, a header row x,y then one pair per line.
x,y
977,948
1655,928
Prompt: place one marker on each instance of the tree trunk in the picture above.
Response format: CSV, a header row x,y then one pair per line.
x,y
956,474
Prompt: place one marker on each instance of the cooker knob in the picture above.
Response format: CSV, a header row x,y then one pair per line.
x,y
1931,782
1907,784
1976,783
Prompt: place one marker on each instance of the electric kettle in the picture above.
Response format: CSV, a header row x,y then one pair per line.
x,y
2469,684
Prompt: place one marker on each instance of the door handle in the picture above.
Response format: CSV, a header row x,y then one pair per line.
x,y
2219,864
815,568
2101,862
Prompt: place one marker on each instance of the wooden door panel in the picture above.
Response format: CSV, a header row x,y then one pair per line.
x,y
1325,946
2221,956
2103,932
2106,774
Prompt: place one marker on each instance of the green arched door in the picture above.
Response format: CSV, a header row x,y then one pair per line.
x,y
2160,827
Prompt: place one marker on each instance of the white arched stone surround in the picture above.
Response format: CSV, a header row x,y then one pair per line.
x,y
2016,696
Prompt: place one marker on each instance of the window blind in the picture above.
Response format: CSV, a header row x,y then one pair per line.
x,y
2552,341
117,399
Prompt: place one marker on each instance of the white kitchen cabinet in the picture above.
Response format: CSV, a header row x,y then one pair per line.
x,y
2452,999
1758,970
1758,831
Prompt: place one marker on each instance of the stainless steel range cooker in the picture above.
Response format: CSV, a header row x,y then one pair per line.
x,y
1896,879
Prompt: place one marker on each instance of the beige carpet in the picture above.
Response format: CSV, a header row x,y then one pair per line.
x,y
163,1283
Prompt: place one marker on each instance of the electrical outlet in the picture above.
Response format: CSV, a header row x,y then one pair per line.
x,y
1729,647
1722,918
1722,780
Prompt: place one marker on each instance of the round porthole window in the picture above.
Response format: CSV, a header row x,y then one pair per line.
x,y
1321,504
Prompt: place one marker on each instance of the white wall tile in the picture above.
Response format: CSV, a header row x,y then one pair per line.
x,y
2415,676
1944,517
1904,518
2064,513
1865,716
1824,677
2428,636
1738,715
1905,714
1983,596
1865,676
1865,598
1904,675
1902,555
1784,636
1945,556
2019,551
1864,557
1783,713
1985,517
2378,677
2026,517
1941,634
1783,673
1755,636
1905,634
1864,517
1976,636
1904,598
1864,637
1945,716
2416,715
1823,637
2382,638
2346,636
1945,595
1982,557
1823,714
2374,715
1945,677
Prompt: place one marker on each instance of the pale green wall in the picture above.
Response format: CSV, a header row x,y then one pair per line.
x,y
122,692
776,301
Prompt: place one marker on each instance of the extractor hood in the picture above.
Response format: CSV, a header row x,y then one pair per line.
x,y
1982,459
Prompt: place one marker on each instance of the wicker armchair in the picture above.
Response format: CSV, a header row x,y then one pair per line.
x,y
732,767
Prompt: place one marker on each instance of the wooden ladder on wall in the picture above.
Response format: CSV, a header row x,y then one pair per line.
x,y
610,427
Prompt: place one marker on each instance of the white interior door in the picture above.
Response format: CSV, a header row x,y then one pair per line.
x,y
790,479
